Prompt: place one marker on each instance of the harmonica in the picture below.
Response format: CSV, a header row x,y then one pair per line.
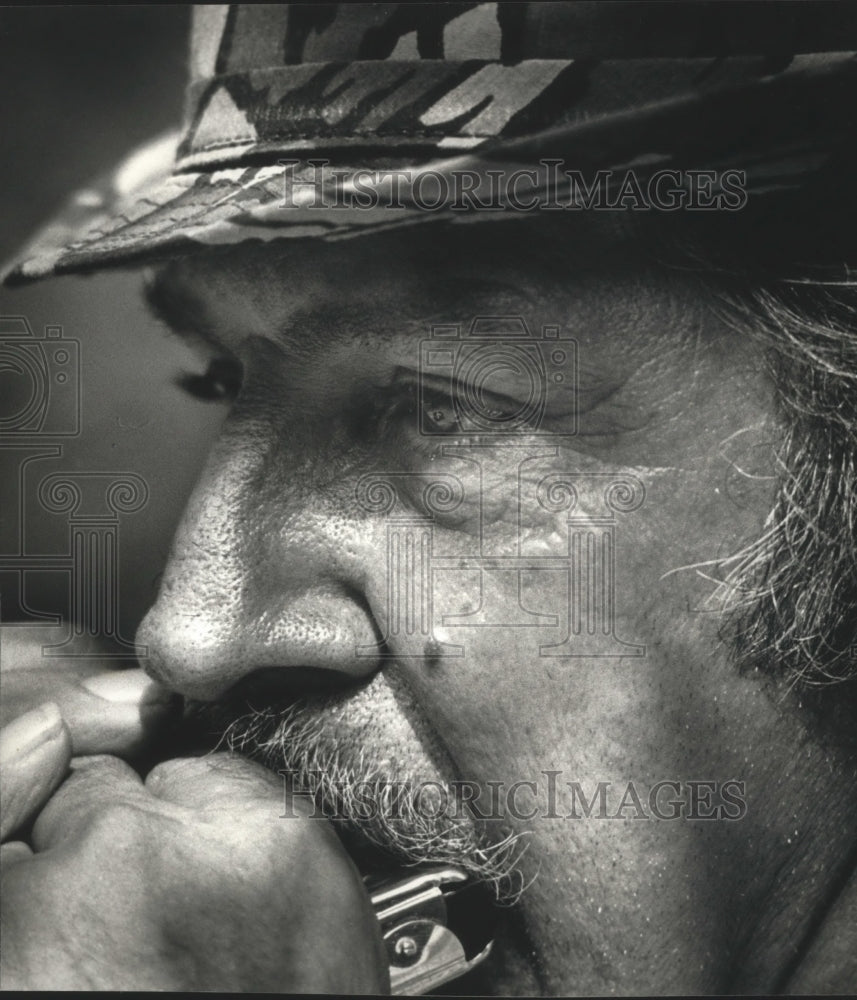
x,y
436,925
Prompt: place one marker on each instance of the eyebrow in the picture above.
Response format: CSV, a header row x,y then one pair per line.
x,y
180,312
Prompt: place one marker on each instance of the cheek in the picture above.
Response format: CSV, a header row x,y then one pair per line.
x,y
577,666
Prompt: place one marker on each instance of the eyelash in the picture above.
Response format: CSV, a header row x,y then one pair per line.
x,y
221,382
403,415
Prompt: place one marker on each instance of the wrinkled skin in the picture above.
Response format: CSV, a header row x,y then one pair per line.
x,y
144,924
186,881
277,565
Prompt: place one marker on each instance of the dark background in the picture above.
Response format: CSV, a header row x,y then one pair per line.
x,y
81,87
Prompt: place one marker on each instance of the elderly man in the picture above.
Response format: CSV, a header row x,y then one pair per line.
x,y
526,553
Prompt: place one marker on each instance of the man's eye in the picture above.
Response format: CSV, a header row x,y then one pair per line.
x,y
221,381
470,412
433,411
439,414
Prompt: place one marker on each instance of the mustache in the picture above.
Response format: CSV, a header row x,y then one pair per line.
x,y
382,814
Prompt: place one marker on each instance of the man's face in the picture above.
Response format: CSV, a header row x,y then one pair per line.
x,y
522,615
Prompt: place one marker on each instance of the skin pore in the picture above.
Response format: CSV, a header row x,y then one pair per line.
x,y
279,574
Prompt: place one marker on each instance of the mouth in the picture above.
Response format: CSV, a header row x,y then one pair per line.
x,y
357,753
367,755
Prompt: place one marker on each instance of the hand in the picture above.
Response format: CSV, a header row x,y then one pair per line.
x,y
52,708
106,710
190,880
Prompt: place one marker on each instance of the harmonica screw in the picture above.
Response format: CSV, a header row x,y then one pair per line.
x,y
406,947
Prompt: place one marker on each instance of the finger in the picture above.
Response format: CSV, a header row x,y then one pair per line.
x,y
217,780
111,711
119,711
22,647
94,783
35,750
13,853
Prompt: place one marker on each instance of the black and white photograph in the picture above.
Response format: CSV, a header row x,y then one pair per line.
x,y
428,498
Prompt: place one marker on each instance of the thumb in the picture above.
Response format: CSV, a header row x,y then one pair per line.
x,y
35,751
111,711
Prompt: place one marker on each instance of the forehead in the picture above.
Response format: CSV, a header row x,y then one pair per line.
x,y
330,323
589,277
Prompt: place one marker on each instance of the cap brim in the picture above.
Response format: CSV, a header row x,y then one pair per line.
x,y
778,131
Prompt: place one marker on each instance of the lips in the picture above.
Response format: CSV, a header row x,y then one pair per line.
x,y
361,751
365,725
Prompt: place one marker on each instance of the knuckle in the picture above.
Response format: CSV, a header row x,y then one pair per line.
x,y
91,764
95,772
169,771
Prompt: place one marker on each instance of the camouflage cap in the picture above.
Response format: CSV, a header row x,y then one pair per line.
x,y
438,90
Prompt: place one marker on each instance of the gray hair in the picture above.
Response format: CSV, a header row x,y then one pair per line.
x,y
788,282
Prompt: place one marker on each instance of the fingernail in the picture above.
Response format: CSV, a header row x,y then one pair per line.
x,y
127,687
30,731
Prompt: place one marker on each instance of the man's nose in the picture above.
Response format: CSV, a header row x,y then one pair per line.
x,y
265,570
